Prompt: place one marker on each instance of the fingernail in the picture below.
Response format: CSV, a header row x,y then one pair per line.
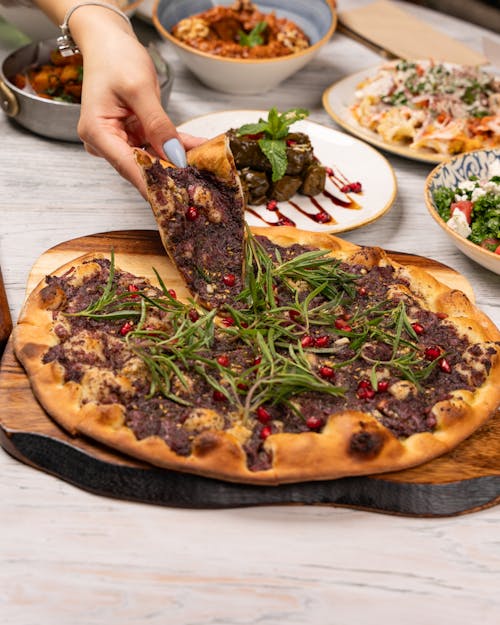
x,y
175,152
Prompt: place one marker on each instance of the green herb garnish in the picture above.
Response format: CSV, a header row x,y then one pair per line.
x,y
273,142
254,37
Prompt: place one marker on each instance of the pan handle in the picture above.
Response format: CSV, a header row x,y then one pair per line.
x,y
8,100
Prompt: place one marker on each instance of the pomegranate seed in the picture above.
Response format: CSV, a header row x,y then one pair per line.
x,y
307,341
219,395
329,171
229,279
352,187
444,365
362,291
431,353
382,386
227,321
366,393
256,136
192,213
272,205
193,315
223,360
242,387
321,218
265,432
441,315
257,360
322,341
326,372
340,324
364,383
314,423
172,293
126,328
294,314
244,324
132,288
263,415
418,328
291,142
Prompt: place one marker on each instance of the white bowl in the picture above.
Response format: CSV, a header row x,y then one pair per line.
x,y
478,163
317,18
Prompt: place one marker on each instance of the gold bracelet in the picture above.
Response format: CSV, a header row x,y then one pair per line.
x,y
65,42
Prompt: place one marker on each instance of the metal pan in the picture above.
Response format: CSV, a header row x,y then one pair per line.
x,y
50,118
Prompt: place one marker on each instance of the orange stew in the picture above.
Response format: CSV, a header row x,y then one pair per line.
x,y
241,31
60,79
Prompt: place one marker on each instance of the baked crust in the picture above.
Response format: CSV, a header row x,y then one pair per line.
x,y
352,442
200,215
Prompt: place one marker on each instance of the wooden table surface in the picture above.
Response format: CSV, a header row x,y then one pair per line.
x,y
68,557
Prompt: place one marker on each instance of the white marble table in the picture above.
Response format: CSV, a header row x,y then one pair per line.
x,y
68,557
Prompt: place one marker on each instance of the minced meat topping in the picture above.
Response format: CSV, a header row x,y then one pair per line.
x,y
307,336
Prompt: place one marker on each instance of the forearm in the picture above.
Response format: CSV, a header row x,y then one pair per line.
x,y
88,23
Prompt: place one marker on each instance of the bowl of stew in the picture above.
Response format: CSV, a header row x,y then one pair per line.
x,y
239,47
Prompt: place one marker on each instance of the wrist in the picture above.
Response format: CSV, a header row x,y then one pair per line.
x,y
84,22
90,23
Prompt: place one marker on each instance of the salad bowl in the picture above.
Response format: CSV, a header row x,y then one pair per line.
x,y
463,197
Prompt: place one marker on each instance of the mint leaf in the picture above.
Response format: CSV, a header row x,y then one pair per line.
x,y
254,37
252,129
275,129
275,150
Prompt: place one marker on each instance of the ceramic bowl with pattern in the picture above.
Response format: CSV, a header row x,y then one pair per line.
x,y
316,18
480,164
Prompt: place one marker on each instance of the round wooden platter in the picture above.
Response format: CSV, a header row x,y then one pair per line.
x,y
465,480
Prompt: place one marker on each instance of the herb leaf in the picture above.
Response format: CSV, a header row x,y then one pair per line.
x,y
254,37
275,151
274,131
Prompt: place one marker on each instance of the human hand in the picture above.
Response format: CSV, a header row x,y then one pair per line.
x,y
121,105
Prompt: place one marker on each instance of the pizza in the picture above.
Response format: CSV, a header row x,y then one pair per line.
x,y
328,360
444,108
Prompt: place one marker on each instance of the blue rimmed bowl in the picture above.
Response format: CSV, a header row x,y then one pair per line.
x,y
480,163
317,18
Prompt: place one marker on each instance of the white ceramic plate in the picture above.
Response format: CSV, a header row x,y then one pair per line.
x,y
351,161
341,95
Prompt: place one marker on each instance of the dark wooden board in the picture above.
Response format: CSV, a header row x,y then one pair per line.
x,y
465,480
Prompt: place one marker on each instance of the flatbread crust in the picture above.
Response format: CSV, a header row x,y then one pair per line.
x,y
200,215
352,442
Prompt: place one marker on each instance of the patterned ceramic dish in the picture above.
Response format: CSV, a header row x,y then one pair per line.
x,y
482,164
317,18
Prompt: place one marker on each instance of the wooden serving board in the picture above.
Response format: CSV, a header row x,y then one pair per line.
x,y
464,480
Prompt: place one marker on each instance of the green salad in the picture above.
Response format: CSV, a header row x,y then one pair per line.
x,y
472,209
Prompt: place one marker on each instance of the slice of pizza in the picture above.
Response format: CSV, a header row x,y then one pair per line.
x,y
199,210
341,362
